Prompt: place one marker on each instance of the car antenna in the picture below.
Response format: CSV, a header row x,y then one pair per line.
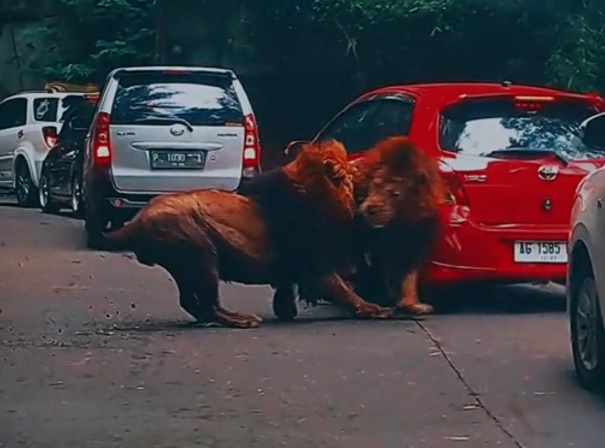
x,y
506,83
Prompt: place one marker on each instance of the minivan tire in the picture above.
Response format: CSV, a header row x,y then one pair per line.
x,y
94,230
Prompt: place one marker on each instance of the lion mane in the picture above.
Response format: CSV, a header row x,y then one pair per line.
x,y
398,195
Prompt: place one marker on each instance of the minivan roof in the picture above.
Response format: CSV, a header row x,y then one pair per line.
x,y
198,69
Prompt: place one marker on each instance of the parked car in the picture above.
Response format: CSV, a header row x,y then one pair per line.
x,y
61,176
165,129
29,122
512,158
586,268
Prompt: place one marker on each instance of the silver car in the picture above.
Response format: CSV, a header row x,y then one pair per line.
x,y
165,129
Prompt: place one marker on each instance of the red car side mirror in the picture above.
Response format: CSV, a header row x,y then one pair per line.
x,y
293,147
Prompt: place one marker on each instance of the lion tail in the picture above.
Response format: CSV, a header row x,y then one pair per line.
x,y
124,238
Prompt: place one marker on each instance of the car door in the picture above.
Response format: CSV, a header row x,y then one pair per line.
x,y
364,124
68,149
13,117
592,193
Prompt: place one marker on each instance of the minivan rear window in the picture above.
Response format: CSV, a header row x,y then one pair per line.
x,y
202,99
45,109
481,127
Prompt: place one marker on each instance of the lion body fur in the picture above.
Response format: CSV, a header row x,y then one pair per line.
x,y
201,237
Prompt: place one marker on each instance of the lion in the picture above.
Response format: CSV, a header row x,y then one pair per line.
x,y
202,237
398,193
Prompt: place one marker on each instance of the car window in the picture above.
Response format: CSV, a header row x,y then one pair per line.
x,y
365,124
13,113
481,127
77,117
45,109
200,98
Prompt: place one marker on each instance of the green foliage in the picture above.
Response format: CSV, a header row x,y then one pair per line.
x,y
95,36
558,42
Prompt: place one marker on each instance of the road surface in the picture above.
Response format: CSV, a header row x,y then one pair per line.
x,y
95,352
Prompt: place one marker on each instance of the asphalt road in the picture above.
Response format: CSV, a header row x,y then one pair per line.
x,y
95,352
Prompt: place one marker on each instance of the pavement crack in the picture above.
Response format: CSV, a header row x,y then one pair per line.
x,y
471,391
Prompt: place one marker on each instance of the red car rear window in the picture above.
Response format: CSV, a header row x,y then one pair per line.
x,y
479,127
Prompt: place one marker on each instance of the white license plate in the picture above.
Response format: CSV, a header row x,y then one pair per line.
x,y
540,252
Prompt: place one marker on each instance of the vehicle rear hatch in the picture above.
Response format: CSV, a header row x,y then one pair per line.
x,y
518,159
176,131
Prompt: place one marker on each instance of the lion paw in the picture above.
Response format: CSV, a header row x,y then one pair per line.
x,y
372,311
416,308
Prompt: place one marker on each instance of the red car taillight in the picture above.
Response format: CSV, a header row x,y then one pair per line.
x,y
455,197
50,136
251,162
101,143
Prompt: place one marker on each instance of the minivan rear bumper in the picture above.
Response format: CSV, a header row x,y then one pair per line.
x,y
476,253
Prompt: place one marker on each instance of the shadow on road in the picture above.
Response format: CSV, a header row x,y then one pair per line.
x,y
515,299
7,202
159,325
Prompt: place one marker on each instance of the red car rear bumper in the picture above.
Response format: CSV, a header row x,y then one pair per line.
x,y
469,252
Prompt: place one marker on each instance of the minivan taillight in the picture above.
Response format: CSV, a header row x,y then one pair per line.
x,y
251,162
455,196
50,135
101,144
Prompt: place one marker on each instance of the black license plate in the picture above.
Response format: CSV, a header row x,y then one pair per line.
x,y
169,160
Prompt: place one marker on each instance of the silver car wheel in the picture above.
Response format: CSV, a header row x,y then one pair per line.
x,y
587,324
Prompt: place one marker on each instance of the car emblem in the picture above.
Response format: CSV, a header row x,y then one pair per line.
x,y
177,130
548,172
547,204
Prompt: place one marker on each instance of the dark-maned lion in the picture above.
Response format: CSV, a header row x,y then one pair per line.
x,y
398,193
202,237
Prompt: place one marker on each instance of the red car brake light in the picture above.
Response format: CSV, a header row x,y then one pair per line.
x,y
251,155
49,133
101,144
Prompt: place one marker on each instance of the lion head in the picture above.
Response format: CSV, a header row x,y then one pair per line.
x,y
396,181
321,171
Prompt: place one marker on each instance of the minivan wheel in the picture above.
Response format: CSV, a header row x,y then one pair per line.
x,y
47,203
95,226
76,202
25,190
587,334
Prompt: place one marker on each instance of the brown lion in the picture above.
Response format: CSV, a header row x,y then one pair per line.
x,y
398,193
202,237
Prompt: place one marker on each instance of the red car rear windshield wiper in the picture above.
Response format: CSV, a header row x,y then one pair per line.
x,y
526,153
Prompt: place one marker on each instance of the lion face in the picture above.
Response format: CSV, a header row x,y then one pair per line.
x,y
327,179
388,197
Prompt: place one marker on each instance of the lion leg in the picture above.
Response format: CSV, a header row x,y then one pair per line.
x,y
206,287
337,291
284,303
183,273
409,300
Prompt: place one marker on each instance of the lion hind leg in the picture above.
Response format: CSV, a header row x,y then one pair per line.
x,y
184,274
206,289
409,301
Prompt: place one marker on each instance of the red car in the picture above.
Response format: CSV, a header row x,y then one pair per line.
x,y
512,158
